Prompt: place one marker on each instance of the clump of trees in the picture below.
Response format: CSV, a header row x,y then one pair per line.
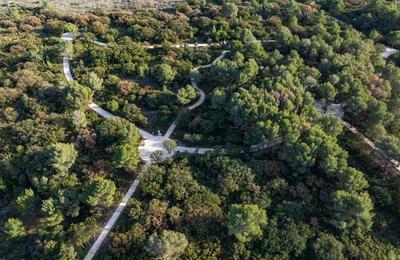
x,y
57,177
378,19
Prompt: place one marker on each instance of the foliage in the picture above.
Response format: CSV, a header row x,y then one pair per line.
x,y
77,96
327,247
168,245
99,192
14,228
126,155
352,211
62,165
26,202
186,94
246,221
116,129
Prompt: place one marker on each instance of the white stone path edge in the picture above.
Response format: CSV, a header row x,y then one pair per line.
x,y
155,143
194,85
151,143
336,109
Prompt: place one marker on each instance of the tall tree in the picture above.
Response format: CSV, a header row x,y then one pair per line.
x,y
62,156
165,73
99,192
54,161
229,9
95,82
390,145
26,202
352,211
328,248
169,145
78,119
14,228
246,221
116,129
328,92
186,94
52,215
77,96
168,245
126,155
66,252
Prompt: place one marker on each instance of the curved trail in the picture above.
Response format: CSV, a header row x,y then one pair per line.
x,y
202,94
155,143
151,144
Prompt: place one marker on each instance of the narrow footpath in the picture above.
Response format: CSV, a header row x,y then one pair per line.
x,y
150,144
153,143
202,94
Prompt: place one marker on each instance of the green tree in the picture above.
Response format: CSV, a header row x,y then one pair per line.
x,y
62,156
81,233
66,252
95,82
336,6
26,202
69,201
186,94
77,96
246,221
326,247
164,73
168,245
116,129
394,38
285,239
351,179
126,155
53,162
218,98
133,114
377,113
157,156
390,145
52,215
78,120
229,9
14,228
169,145
331,124
352,211
99,192
299,156
112,105
328,92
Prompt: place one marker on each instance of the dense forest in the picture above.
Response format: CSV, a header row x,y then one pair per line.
x,y
317,193
379,19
